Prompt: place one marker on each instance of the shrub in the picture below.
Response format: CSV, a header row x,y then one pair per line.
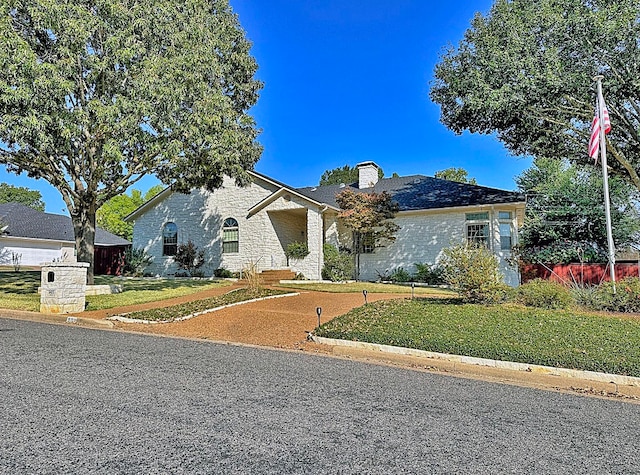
x,y
251,275
428,274
296,250
383,276
135,261
338,264
626,299
472,270
189,258
400,275
544,294
222,273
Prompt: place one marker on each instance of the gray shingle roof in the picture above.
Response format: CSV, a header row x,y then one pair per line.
x,y
25,222
417,192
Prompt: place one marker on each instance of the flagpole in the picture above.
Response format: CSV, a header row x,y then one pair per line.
x,y
605,182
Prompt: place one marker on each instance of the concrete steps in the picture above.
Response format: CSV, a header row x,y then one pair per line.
x,y
271,277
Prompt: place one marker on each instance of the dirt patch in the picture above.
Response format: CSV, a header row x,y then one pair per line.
x,y
282,323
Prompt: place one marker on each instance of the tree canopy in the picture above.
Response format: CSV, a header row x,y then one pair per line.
x,y
21,194
94,95
565,218
110,216
525,72
346,175
459,175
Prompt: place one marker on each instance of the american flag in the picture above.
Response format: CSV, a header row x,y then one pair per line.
x,y
594,141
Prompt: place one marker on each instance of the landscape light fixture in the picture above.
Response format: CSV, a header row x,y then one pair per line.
x,y
319,312
364,292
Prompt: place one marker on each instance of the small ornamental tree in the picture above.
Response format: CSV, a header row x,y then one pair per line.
x,y
189,258
370,218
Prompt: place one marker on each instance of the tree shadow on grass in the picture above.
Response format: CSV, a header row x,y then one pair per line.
x,y
23,282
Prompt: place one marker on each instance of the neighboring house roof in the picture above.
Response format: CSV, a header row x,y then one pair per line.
x,y
25,222
419,192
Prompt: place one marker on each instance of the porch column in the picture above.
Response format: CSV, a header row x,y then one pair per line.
x,y
314,241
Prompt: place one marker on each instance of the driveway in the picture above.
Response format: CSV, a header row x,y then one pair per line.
x,y
282,322
76,400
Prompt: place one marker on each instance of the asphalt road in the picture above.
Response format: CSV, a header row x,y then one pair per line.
x,y
76,400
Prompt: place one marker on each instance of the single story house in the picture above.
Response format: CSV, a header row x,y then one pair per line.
x,y
38,237
235,226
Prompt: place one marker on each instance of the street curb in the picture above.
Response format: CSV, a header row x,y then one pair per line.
x,y
122,318
604,382
60,319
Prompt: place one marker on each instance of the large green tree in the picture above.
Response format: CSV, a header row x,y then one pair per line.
x,y
110,216
96,94
525,70
459,175
346,175
21,194
565,218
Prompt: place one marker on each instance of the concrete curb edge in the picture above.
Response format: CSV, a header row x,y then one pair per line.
x,y
594,376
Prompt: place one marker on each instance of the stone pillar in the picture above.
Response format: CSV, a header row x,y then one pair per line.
x,y
63,286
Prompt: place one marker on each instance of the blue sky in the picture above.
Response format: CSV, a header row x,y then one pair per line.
x,y
348,81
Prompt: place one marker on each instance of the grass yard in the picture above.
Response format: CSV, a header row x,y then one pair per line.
x,y
168,314
373,288
19,290
558,338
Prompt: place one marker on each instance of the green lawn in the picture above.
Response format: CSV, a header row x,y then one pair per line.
x,y
373,288
18,290
167,314
568,339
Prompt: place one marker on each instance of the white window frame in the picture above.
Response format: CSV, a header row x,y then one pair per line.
x,y
478,220
228,226
505,218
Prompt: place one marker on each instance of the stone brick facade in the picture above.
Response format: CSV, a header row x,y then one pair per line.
x,y
271,216
424,234
267,222
63,287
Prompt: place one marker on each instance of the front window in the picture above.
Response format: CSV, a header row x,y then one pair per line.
x,y
230,236
506,235
478,228
169,239
367,243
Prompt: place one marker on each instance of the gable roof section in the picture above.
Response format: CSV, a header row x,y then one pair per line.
x,y
419,192
280,192
25,222
282,187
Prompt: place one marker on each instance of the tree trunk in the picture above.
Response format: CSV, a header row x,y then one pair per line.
x,y
84,228
356,254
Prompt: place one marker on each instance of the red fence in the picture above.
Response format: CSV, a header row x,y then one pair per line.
x,y
107,260
578,273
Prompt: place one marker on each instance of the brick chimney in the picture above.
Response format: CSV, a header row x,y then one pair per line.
x,y
367,174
